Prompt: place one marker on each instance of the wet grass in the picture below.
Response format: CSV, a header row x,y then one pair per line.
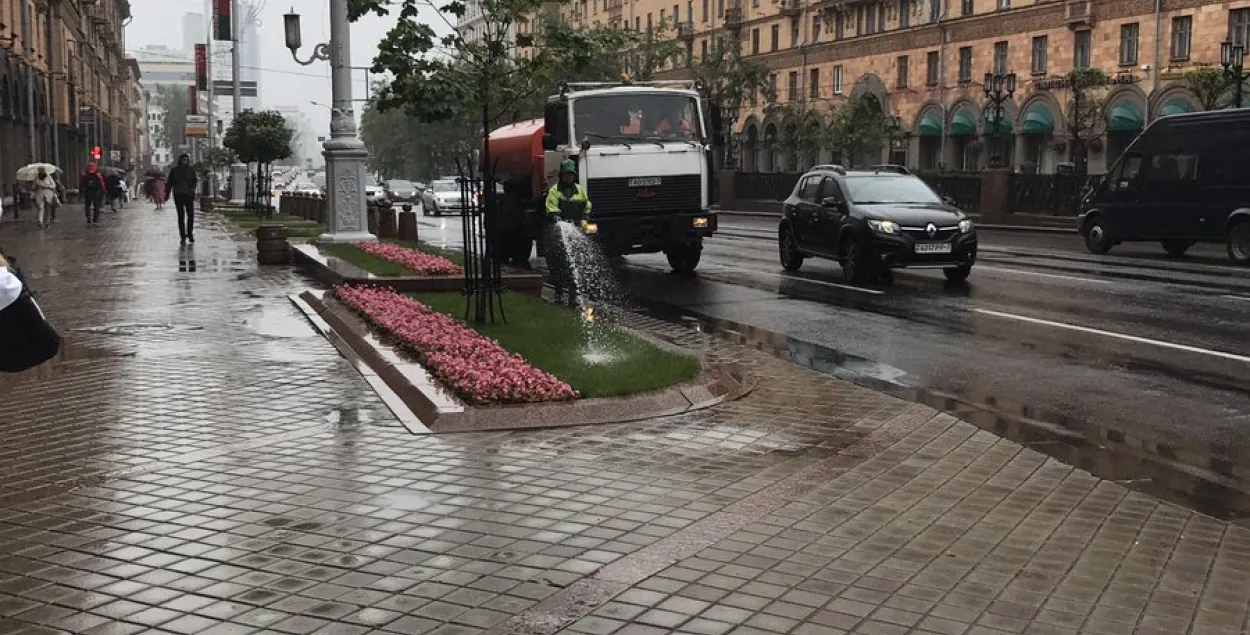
x,y
552,339
382,267
248,221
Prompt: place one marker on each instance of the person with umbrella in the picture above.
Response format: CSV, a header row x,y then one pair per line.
x,y
45,189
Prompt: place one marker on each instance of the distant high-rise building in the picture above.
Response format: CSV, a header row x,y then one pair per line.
x,y
194,31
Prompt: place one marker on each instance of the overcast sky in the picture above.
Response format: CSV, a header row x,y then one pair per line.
x,y
283,82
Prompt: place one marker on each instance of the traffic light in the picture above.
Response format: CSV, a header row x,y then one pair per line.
x,y
95,153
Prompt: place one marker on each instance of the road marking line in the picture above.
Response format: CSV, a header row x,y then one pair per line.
x,y
1038,273
1236,297
798,279
1120,336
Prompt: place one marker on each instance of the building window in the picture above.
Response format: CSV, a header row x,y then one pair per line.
x,y
755,41
792,89
795,38
965,63
1080,56
837,79
776,37
772,83
816,28
1000,58
936,9
932,71
902,71
904,14
706,3
1182,31
839,26
1003,5
720,8
1239,26
703,50
813,82
1040,46
1128,44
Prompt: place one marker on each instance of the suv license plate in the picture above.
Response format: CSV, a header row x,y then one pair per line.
x,y
933,248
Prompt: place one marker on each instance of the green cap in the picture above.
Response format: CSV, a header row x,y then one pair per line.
x,y
567,165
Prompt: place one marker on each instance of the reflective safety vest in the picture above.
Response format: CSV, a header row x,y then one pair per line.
x,y
555,197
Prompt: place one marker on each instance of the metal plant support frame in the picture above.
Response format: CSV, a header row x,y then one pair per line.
x,y
259,193
483,271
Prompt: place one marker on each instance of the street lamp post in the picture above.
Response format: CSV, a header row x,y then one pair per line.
x,y
999,88
893,128
1232,58
729,116
344,153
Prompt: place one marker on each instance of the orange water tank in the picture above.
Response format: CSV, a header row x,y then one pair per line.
x,y
517,153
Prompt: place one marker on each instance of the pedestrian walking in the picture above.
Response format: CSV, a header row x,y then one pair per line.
x,y
115,184
181,182
46,199
26,338
158,192
91,186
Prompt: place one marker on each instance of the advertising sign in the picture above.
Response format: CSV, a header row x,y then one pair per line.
x,y
196,126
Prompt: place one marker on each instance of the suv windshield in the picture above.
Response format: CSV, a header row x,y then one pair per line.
x,y
873,189
656,116
446,186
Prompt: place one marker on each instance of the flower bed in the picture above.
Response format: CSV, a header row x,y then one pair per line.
x,y
473,366
419,262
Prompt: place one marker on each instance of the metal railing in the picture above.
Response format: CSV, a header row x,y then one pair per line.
x,y
962,187
1048,194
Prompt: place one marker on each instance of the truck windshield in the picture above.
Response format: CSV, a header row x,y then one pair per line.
x,y
655,116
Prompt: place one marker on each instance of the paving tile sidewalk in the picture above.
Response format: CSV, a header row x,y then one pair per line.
x,y
202,463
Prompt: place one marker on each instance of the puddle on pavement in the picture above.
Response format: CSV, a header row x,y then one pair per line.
x,y
274,321
135,328
1213,491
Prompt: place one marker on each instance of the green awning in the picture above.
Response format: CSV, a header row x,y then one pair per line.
x,y
930,124
1177,106
962,125
1124,117
1004,127
1038,120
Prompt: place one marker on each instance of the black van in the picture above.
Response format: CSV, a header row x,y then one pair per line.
x,y
1185,179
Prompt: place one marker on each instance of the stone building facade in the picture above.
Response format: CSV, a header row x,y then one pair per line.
x,y
64,84
923,61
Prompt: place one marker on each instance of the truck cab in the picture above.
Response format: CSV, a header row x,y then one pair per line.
x,y
642,152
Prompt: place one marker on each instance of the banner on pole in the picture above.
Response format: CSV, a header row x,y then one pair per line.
x,y
221,20
201,66
193,100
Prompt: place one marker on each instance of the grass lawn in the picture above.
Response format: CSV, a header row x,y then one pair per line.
x,y
551,338
247,221
382,267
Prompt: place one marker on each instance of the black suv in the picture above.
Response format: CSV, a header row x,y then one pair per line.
x,y
872,221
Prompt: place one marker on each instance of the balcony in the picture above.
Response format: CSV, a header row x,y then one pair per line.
x,y
833,5
734,17
1079,14
685,31
615,6
790,8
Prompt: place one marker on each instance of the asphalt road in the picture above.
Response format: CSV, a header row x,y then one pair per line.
x,y
1133,341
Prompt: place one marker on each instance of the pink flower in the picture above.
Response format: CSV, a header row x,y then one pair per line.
x,y
419,262
472,365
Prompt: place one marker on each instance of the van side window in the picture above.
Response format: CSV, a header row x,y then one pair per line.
x,y
810,189
1173,168
1125,173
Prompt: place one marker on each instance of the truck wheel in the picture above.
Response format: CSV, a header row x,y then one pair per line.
x,y
684,258
1239,243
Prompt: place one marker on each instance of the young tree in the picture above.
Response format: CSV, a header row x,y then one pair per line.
x,y
1209,85
858,127
259,137
1086,120
729,83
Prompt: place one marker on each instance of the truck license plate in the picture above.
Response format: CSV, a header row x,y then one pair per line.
x,y
933,248
650,181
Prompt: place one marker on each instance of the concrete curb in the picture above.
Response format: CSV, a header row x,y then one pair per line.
x,y
442,412
309,257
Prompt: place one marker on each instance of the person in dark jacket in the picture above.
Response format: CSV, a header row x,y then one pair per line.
x,y
181,183
91,186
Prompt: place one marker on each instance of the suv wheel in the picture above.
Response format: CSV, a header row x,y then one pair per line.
x,y
854,261
791,257
958,274
1239,243
1177,248
1097,240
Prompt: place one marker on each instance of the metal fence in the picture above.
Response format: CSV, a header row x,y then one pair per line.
x,y
1048,194
764,186
963,187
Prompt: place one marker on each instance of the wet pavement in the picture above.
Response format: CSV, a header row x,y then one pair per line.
x,y
201,462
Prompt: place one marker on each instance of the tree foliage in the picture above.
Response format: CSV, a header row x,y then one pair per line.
x,y
405,147
259,137
857,128
1209,86
175,102
1086,118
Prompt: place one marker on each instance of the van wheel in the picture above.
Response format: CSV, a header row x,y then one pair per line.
x,y
1097,240
791,257
854,261
1177,248
1239,243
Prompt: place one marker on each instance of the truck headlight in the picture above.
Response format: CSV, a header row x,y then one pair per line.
x,y
965,226
589,227
883,226
700,222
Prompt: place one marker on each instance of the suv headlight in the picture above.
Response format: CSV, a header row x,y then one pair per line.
x,y
883,226
965,226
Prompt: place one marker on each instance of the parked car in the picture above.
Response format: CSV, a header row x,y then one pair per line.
x,y
872,221
1184,180
399,192
442,196
374,193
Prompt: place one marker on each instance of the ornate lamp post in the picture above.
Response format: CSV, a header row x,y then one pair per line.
x,y
729,116
893,130
999,88
1232,58
345,154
